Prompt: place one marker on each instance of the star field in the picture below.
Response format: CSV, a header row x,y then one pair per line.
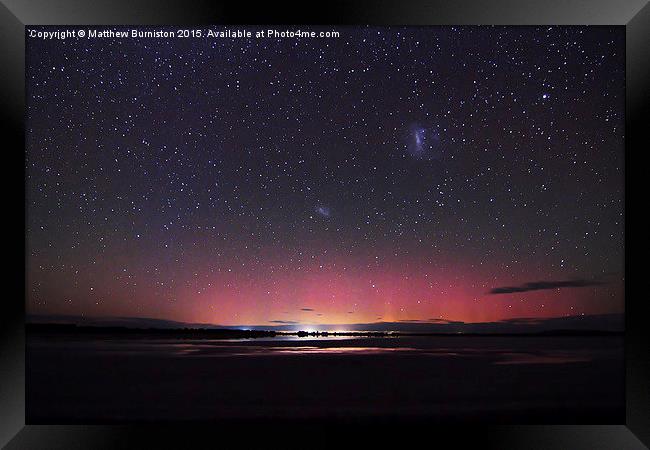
x,y
388,174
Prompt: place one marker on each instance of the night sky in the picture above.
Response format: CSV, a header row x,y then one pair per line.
x,y
389,174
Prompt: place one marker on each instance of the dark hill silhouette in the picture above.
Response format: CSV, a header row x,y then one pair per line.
x,y
587,324
54,329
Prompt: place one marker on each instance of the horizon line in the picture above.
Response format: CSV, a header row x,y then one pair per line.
x,y
271,324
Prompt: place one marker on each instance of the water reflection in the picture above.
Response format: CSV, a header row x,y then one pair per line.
x,y
543,358
498,356
498,352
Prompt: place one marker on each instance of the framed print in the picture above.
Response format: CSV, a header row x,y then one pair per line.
x,y
390,217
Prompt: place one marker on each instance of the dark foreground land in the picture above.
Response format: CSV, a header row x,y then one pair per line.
x,y
118,377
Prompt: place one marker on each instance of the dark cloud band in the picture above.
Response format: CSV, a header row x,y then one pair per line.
x,y
545,285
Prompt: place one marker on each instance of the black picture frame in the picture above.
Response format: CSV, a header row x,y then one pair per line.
x,y
634,15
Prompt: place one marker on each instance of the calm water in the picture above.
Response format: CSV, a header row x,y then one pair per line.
x,y
505,379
